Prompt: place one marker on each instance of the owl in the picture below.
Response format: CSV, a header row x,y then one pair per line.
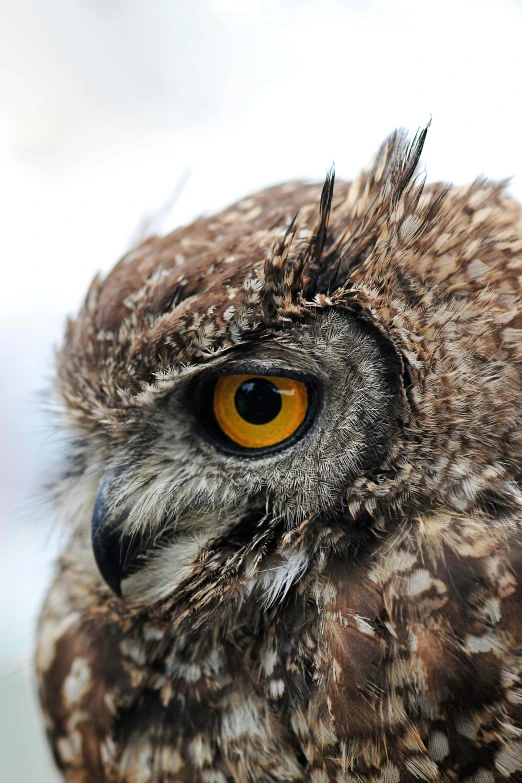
x,y
293,494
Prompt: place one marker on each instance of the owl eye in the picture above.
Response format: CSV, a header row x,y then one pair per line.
x,y
259,411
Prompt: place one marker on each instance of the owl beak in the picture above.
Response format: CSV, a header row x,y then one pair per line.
x,y
114,551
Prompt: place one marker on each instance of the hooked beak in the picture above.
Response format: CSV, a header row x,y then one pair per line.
x,y
115,552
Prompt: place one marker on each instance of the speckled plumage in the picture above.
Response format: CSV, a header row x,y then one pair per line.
x,y
347,609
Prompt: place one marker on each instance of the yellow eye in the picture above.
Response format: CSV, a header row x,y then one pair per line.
x,y
256,411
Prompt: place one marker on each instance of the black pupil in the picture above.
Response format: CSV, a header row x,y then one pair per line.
x,y
258,401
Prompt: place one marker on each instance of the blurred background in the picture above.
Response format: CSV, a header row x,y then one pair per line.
x,y
118,115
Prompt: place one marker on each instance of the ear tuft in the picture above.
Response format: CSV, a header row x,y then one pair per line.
x,y
295,272
288,277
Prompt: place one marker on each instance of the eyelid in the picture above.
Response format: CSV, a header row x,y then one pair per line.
x,y
258,368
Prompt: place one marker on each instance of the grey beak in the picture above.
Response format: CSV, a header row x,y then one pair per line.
x,y
114,552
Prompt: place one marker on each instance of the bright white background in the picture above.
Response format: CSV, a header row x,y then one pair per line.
x,y
109,108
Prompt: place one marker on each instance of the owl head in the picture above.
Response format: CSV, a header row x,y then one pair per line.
x,y
305,373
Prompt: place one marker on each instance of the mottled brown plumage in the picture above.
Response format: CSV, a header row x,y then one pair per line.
x,y
347,608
